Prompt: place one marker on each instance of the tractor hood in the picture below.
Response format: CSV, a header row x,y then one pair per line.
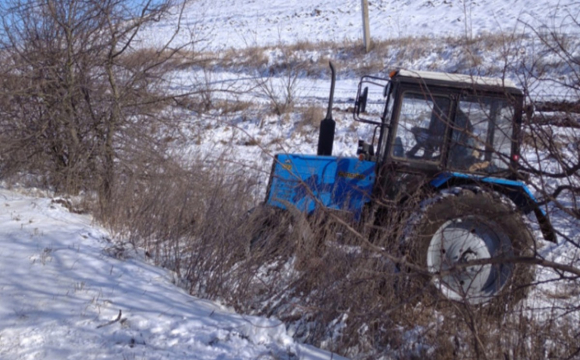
x,y
308,182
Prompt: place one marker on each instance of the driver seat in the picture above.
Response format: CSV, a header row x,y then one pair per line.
x,y
431,138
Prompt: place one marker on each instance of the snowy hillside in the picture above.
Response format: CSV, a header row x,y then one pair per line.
x,y
68,292
240,23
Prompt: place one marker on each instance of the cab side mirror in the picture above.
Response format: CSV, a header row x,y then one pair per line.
x,y
362,101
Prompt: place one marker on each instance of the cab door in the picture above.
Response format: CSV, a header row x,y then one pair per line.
x,y
415,149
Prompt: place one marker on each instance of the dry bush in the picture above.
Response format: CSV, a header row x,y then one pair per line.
x,y
76,98
195,222
552,131
253,57
346,287
278,82
389,54
140,59
234,106
186,218
311,116
350,58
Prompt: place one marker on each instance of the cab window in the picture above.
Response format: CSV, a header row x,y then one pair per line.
x,y
481,137
420,133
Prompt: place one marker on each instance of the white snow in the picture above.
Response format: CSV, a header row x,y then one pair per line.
x,y
62,283
242,23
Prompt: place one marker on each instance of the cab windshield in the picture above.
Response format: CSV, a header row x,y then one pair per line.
x,y
420,133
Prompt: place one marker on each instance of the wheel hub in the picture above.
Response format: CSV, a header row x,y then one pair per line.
x,y
461,241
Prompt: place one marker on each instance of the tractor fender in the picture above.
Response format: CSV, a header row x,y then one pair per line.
x,y
516,191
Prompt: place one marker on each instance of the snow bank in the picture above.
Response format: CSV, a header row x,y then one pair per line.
x,y
67,292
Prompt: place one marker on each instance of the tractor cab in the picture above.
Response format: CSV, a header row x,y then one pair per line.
x,y
427,123
437,121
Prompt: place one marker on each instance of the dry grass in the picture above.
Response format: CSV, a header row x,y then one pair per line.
x,y
310,118
385,55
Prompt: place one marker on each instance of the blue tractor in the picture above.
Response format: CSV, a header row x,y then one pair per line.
x,y
445,146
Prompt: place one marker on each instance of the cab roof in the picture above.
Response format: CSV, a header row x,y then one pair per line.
x,y
459,80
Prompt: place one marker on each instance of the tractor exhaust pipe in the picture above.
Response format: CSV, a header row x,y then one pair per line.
x,y
326,135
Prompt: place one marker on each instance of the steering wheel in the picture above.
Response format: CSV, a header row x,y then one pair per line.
x,y
425,140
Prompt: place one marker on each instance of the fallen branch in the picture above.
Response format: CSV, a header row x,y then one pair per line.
x,y
111,322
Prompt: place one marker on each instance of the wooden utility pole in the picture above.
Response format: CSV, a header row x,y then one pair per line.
x,y
366,31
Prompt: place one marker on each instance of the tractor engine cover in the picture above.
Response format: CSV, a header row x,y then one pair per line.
x,y
308,182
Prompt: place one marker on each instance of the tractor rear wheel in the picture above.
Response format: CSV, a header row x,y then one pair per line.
x,y
472,225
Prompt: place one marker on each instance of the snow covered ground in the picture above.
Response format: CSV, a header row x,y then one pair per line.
x,y
68,292
242,23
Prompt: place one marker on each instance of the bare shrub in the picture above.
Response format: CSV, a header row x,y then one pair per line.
x,y
77,99
279,84
255,57
234,106
311,116
184,217
552,132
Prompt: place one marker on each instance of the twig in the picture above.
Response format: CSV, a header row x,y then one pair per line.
x,y
112,321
